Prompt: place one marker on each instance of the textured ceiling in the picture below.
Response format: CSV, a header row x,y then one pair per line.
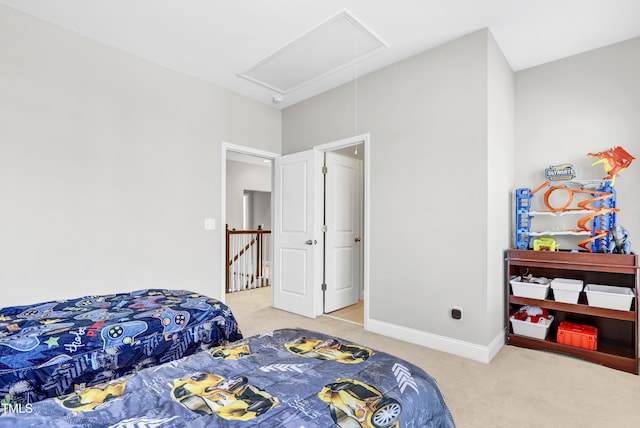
x,y
217,40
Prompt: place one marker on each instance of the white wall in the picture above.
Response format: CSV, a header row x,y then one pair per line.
x,y
430,145
261,210
243,176
500,173
584,103
108,166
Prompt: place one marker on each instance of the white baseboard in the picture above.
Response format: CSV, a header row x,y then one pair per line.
x,y
472,351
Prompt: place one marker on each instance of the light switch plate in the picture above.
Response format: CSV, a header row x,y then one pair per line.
x,y
209,224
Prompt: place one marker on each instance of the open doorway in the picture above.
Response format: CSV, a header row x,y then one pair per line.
x,y
299,230
311,269
346,235
247,195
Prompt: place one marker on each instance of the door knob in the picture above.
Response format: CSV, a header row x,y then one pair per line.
x,y
357,239
310,242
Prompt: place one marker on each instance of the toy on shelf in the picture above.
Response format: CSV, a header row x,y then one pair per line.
x,y
545,244
533,314
614,160
620,243
598,213
598,210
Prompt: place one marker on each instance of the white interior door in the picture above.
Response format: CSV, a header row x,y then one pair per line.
x,y
343,190
297,255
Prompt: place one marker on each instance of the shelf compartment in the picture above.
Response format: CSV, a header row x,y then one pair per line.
x,y
575,308
609,354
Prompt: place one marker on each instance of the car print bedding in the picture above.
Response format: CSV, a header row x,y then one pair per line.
x,y
52,348
284,378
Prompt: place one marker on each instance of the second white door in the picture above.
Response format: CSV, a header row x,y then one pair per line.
x,y
343,202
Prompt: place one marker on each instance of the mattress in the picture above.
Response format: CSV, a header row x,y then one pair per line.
x,y
54,348
284,378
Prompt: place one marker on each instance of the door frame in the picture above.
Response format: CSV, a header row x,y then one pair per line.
x,y
230,147
363,139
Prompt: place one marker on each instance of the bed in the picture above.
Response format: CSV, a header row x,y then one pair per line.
x,y
50,349
284,378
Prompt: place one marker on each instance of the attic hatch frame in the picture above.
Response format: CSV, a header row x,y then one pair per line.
x,y
316,54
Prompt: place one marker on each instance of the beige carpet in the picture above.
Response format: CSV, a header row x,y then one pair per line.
x,y
519,388
353,313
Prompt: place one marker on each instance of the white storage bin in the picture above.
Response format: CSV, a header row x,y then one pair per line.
x,y
566,290
526,328
532,290
609,296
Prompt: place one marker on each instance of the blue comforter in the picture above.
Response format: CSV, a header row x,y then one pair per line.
x,y
285,378
53,348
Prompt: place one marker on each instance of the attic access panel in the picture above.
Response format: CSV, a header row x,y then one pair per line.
x,y
337,43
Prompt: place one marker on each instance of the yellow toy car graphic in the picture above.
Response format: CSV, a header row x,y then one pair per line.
x,y
90,399
230,352
330,349
232,399
356,404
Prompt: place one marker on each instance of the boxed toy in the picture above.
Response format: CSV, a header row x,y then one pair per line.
x,y
578,335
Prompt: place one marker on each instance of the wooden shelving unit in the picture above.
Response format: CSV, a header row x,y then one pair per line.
x,y
617,330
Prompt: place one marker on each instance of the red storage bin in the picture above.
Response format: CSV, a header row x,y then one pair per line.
x,y
578,335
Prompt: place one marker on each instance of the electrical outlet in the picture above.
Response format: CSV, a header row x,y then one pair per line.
x,y
456,313
209,224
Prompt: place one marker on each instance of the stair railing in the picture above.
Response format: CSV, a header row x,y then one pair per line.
x,y
247,254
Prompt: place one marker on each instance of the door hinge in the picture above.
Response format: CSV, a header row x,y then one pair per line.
x,y
324,228
324,169
324,287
